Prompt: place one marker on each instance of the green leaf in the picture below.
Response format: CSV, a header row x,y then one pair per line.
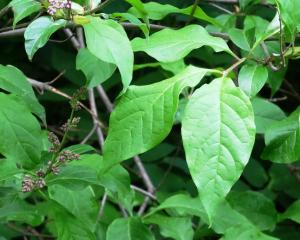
x,y
20,133
107,40
23,9
14,81
38,33
252,78
128,229
239,38
245,232
255,174
7,169
283,140
293,212
74,177
95,70
68,227
20,211
134,20
266,113
157,11
290,14
144,116
82,204
172,45
183,204
218,133
255,207
178,228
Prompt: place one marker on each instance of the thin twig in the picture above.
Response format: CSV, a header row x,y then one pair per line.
x,y
72,38
102,205
221,8
27,233
43,86
100,7
146,193
104,98
89,135
234,66
94,110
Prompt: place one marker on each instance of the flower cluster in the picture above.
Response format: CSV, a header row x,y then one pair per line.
x,y
55,142
58,4
30,183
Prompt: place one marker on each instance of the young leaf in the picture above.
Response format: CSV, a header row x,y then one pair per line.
x,y
95,70
218,133
252,78
20,133
107,40
283,140
172,45
38,33
128,229
144,116
23,9
266,113
178,228
13,80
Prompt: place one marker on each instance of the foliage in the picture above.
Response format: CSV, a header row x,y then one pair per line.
x,y
143,120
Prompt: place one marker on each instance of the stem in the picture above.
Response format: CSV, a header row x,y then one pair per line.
x,y
234,66
100,7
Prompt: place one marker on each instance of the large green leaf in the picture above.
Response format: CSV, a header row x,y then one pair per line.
x,y
82,204
144,116
172,45
157,11
178,228
107,40
283,140
24,8
95,70
252,78
218,133
20,133
128,229
38,33
13,80
266,113
255,207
